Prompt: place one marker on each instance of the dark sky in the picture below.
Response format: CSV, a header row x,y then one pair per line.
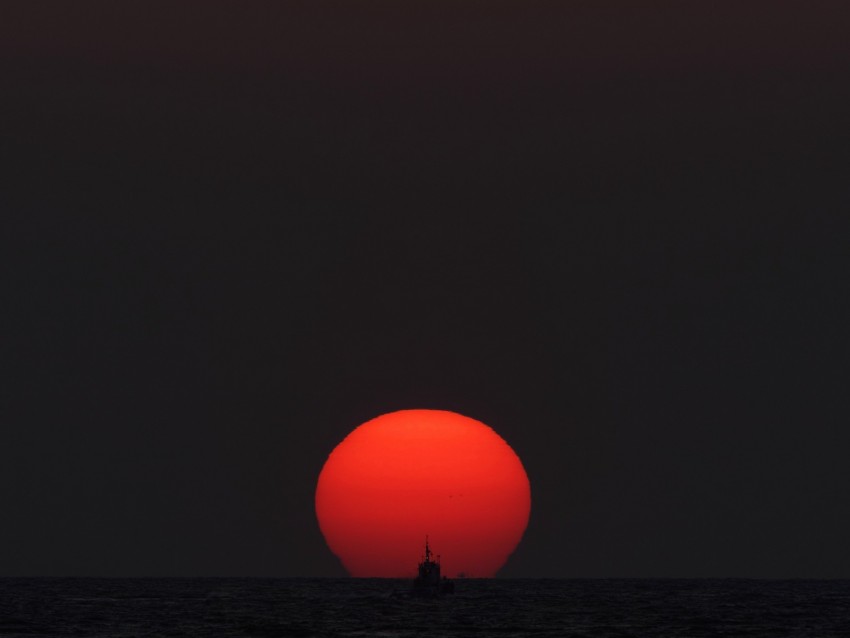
x,y
617,232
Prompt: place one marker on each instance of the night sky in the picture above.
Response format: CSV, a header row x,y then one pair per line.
x,y
616,232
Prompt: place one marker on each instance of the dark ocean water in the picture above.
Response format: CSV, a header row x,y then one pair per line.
x,y
375,607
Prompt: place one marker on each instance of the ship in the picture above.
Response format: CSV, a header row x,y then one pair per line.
x,y
429,582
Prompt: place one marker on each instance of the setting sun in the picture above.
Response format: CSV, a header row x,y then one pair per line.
x,y
410,473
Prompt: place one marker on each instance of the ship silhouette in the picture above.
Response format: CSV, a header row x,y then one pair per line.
x,y
429,582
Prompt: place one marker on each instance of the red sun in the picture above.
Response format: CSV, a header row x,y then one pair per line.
x,y
406,474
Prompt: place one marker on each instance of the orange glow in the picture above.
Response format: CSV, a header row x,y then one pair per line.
x,y
406,474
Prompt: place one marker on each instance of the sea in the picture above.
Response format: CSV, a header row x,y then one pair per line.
x,y
353,607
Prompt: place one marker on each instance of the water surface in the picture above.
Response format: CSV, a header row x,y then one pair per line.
x,y
378,607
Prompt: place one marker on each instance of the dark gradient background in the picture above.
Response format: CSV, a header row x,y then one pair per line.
x,y
617,232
